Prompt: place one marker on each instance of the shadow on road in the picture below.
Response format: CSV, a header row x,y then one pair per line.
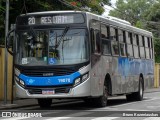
x,y
81,105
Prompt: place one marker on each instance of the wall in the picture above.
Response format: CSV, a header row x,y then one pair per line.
x,y
157,75
9,84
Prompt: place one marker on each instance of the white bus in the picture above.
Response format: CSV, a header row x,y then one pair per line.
x,y
74,54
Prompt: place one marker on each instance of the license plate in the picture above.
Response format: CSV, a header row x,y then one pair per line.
x,y
48,92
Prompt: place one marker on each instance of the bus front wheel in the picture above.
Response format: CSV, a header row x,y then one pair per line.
x,y
44,103
102,100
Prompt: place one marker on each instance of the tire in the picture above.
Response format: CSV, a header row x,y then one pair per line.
x,y
102,100
130,97
89,101
44,103
137,96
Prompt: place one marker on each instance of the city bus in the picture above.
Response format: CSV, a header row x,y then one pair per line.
x,y
77,54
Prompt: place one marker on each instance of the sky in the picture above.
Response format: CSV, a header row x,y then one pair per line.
x,y
108,8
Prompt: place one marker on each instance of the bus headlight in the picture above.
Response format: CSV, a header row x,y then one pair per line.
x,y
21,82
81,79
85,76
17,72
77,81
17,79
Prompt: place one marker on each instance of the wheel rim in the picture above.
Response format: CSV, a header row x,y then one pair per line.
x,y
141,90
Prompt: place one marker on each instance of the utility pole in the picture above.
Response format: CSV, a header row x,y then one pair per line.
x,y
6,53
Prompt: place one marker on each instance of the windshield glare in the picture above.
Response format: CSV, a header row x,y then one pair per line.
x,y
52,47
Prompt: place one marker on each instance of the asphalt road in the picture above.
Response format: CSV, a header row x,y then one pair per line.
x,y
118,109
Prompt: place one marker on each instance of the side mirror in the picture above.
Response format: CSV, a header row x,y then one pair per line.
x,y
8,39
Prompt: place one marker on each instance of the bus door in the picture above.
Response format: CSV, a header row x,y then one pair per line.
x,y
96,63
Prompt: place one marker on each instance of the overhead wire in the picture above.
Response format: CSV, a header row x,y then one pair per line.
x,y
24,7
69,4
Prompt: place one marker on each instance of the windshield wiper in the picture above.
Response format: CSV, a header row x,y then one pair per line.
x,y
62,36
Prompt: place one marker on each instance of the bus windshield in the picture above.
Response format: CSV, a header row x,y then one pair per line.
x,y
52,47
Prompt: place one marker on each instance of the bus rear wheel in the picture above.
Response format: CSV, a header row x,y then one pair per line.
x,y
44,102
137,95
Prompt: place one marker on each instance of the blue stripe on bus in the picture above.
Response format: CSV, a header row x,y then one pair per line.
x,y
49,81
130,66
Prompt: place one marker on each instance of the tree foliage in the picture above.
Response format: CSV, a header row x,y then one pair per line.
x,y
18,7
132,10
144,14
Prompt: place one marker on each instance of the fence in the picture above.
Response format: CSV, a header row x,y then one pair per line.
x,y
157,75
9,81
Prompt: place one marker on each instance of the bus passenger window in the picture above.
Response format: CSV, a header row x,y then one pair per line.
x,y
95,40
129,50
135,46
122,49
147,53
104,31
142,53
106,47
129,38
151,48
141,46
115,49
113,34
140,41
146,41
121,36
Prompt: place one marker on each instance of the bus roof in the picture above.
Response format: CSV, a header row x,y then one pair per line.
x,y
49,12
109,19
116,22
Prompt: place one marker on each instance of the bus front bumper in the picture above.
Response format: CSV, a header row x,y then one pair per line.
x,y
82,90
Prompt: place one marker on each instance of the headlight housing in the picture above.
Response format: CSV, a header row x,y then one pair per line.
x,y
81,79
20,82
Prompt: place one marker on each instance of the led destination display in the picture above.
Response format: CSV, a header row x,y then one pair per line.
x,y
50,19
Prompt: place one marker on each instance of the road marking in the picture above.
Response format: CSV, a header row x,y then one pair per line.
x,y
16,118
135,110
152,118
105,118
105,108
134,102
59,118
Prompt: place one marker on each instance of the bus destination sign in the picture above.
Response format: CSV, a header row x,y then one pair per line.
x,y
50,19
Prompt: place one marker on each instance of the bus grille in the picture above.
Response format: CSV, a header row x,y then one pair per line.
x,y
45,72
57,90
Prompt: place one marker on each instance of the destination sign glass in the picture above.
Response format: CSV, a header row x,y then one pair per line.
x,y
50,19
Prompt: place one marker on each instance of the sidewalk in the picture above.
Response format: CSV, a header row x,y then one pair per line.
x,y
33,102
18,104
152,90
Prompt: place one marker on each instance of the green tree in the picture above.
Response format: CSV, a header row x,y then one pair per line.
x,y
131,10
153,24
18,7
2,13
144,14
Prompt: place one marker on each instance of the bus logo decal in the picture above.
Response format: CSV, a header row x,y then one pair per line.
x,y
48,74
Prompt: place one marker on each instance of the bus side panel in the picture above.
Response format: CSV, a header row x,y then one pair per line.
x,y
106,66
149,74
96,76
116,77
